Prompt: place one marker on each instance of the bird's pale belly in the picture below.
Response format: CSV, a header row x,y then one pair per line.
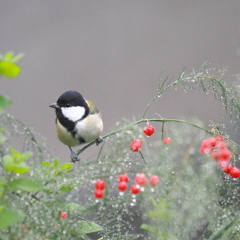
x,y
88,129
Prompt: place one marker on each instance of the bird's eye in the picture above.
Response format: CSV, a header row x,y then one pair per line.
x,y
68,105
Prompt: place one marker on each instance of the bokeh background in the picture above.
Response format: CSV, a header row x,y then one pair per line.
x,y
114,53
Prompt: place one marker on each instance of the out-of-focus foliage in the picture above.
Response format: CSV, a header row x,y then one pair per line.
x,y
8,66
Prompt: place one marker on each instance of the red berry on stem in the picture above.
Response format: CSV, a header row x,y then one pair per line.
x,y
224,154
207,146
63,215
136,145
154,180
228,168
123,178
221,145
100,184
212,142
149,130
141,179
167,140
235,172
135,189
99,193
219,138
215,155
122,186
224,165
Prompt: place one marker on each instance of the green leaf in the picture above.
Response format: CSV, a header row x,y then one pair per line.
x,y
47,164
72,207
9,217
55,162
10,166
15,162
4,102
85,227
26,184
19,157
66,188
9,69
149,228
66,166
7,162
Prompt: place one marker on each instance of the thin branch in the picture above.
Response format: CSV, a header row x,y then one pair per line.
x,y
141,121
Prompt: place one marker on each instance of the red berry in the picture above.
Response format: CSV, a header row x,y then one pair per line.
x,y
123,178
235,172
154,180
141,179
219,138
135,189
136,145
224,154
63,215
207,145
100,184
99,193
224,165
215,155
167,140
220,145
212,142
122,186
149,130
228,169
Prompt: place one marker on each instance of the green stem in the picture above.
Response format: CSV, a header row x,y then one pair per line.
x,y
6,187
141,121
143,157
162,130
163,89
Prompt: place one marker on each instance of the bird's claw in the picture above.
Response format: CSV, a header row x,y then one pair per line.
x,y
99,140
73,156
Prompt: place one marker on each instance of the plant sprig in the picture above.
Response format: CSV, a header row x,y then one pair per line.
x,y
163,120
204,79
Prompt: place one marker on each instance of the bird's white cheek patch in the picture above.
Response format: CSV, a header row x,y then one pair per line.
x,y
73,113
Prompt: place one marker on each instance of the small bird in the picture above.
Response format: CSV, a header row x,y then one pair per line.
x,y
77,121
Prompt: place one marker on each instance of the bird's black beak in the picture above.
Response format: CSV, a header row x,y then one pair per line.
x,y
54,105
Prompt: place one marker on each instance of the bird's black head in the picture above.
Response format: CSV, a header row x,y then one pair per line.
x,y
70,107
71,99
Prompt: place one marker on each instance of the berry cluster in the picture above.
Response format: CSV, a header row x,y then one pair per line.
x,y
123,180
100,185
148,130
217,148
140,180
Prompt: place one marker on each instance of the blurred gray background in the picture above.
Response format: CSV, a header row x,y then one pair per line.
x,y
114,53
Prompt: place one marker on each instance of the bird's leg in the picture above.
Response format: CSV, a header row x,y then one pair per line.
x,y
99,140
73,155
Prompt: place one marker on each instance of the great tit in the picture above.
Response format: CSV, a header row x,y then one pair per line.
x,y
77,121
